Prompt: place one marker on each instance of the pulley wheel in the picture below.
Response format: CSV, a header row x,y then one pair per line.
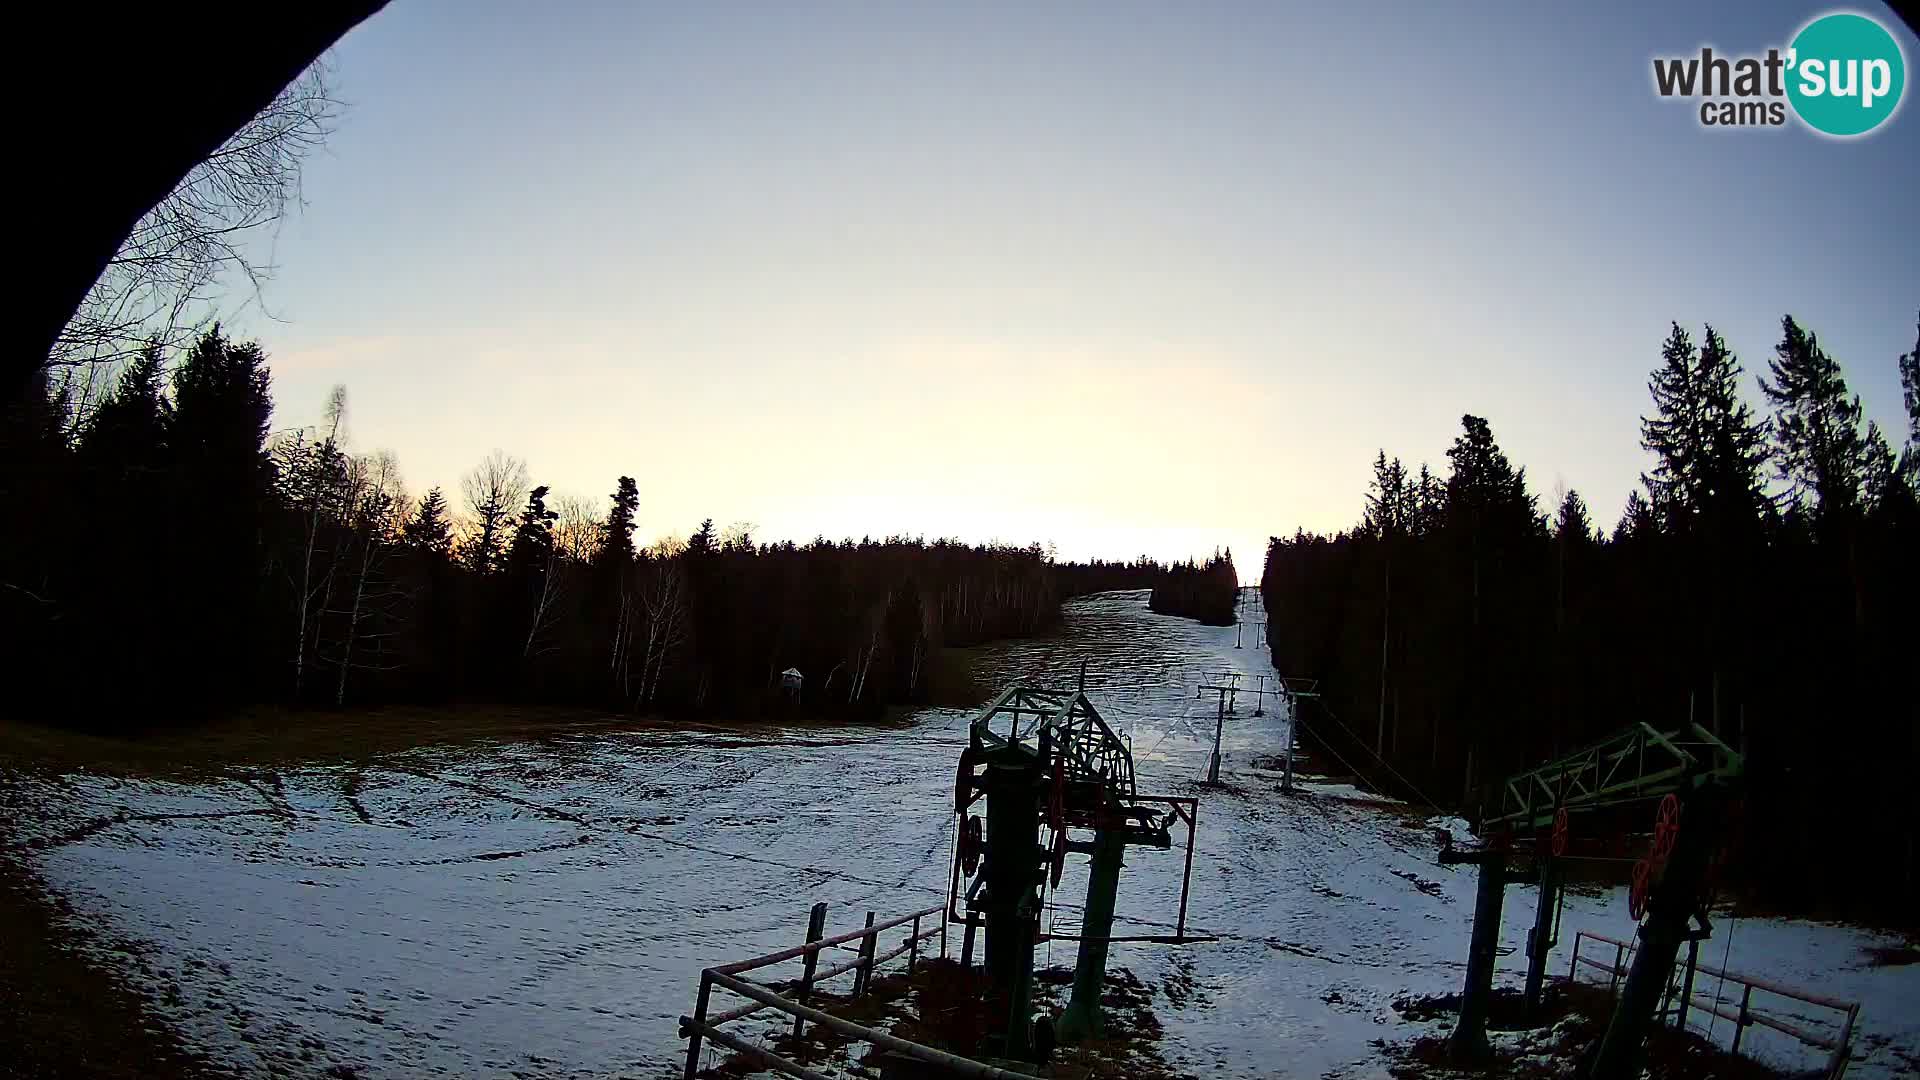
x,y
1666,827
963,779
971,846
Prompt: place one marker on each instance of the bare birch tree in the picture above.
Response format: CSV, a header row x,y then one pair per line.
x,y
375,502
581,529
546,598
625,626
314,471
164,281
494,489
667,607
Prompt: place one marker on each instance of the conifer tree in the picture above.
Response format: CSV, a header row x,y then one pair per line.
x,y
221,483
1709,449
1736,444
430,530
1636,521
618,548
1910,395
128,429
492,489
1675,434
222,406
1571,523
1816,425
703,541
533,537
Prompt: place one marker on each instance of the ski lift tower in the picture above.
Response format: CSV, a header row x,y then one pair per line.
x,y
1690,773
1047,756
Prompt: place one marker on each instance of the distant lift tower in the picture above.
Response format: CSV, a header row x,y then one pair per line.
x,y
1241,622
1047,756
1227,686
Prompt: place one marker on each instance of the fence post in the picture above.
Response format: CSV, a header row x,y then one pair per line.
x,y
816,929
1837,1065
1686,991
699,1020
864,973
943,935
966,944
1740,1028
1573,969
913,946
1666,997
1619,954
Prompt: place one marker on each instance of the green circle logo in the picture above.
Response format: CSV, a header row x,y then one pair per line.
x,y
1845,74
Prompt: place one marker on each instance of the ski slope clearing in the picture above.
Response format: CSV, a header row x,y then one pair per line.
x,y
543,907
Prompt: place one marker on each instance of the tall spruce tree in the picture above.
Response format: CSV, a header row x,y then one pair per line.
x,y
532,546
1636,521
430,529
1571,523
1910,395
1735,493
128,430
1816,426
1485,493
1674,434
222,488
618,550
1708,448
1390,501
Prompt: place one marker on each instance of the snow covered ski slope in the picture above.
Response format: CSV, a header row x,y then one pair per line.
x,y
543,908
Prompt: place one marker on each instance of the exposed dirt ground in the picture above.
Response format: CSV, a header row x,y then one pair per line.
x,y
942,1006
62,1014
1555,1044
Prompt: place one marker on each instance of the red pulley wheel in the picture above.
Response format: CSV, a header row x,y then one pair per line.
x,y
1560,832
1666,827
1637,894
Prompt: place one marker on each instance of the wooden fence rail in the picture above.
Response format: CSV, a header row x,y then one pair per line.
x,y
1841,1046
704,1025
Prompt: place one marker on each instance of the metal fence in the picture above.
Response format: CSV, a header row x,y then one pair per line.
x,y
1682,996
792,999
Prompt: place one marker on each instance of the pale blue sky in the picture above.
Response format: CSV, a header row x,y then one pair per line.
x,y
1131,278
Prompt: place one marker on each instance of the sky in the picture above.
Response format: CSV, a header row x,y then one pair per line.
x,y
1129,279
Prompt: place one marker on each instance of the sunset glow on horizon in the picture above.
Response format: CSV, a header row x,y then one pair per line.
x,y
1128,281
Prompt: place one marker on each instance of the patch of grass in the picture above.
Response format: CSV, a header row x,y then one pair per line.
x,y
274,735
269,735
951,682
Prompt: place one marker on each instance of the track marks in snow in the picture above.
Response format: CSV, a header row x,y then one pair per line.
x,y
98,825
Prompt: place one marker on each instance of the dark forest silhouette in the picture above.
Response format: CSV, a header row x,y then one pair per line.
x,y
175,558
1205,591
1764,583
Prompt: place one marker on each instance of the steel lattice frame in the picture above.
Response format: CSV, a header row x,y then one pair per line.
x,y
1638,763
1092,753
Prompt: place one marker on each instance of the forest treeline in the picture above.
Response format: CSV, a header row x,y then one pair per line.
x,y
1205,591
176,556
1762,581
